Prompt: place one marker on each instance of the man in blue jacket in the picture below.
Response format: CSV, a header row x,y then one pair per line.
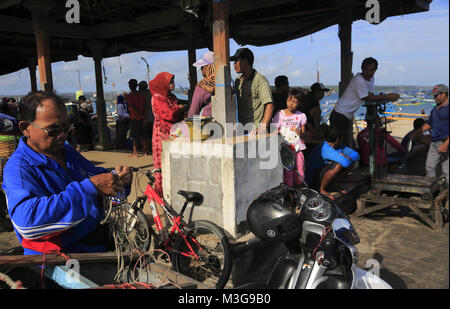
x,y
52,191
328,160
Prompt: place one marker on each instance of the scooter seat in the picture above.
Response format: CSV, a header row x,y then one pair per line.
x,y
191,196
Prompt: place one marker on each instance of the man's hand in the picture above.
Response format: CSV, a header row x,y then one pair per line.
x,y
297,131
125,174
259,130
106,183
444,147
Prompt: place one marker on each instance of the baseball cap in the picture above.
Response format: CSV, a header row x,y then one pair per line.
x,y
243,53
208,58
318,87
438,89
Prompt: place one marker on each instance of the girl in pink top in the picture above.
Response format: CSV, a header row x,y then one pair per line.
x,y
291,125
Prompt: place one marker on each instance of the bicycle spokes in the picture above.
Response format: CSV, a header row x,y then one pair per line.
x,y
201,257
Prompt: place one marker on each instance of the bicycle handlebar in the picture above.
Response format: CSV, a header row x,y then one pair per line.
x,y
137,169
147,173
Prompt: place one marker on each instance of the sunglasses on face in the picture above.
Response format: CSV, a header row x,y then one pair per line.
x,y
55,131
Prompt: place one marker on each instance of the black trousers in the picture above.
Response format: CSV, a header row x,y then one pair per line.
x,y
345,125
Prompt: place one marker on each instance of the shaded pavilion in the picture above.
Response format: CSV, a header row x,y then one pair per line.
x,y
35,32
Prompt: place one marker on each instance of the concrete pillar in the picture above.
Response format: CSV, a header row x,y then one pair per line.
x,y
229,173
345,36
104,142
223,106
39,12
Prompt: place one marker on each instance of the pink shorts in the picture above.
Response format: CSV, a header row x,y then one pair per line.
x,y
290,177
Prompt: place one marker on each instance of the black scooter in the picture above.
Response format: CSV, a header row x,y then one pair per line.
x,y
319,236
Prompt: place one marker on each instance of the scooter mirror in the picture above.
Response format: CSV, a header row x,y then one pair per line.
x,y
287,157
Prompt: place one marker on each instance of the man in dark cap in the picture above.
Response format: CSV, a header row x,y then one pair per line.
x,y
439,125
253,92
281,92
311,108
12,108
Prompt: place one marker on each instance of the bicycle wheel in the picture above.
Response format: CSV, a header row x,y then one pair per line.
x,y
213,267
130,228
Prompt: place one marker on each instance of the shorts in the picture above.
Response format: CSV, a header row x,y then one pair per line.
x,y
317,178
137,128
148,131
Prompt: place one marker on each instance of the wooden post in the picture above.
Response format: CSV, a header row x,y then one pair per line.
x,y
223,107
192,72
103,136
39,12
345,36
32,69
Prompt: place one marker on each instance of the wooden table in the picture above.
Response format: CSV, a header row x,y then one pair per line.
x,y
402,190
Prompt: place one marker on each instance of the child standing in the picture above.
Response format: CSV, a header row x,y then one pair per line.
x,y
291,125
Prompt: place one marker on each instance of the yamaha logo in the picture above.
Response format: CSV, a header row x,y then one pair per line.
x,y
271,233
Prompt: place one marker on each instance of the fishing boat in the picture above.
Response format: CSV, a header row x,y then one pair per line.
x,y
332,91
420,94
327,108
406,103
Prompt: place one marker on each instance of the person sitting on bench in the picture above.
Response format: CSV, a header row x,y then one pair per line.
x,y
329,160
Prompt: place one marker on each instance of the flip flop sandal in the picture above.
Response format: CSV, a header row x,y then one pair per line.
x,y
336,195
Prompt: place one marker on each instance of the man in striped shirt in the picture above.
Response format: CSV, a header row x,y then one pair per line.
x,y
52,191
255,103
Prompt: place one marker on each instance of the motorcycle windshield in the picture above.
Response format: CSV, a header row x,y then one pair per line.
x,y
344,231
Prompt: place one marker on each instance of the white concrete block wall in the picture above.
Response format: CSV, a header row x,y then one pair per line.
x,y
227,177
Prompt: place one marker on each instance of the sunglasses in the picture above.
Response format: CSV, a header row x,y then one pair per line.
x,y
56,131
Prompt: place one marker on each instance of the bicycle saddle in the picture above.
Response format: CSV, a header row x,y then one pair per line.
x,y
192,196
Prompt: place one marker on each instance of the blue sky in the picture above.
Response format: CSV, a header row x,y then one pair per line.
x,y
411,50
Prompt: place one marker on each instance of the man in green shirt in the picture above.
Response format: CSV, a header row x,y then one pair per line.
x,y
253,92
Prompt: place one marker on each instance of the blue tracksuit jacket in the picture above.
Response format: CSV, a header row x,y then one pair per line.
x,y
51,209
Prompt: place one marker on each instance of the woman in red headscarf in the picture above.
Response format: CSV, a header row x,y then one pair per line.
x,y
167,112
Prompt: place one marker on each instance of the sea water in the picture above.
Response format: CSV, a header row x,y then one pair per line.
x,y
327,104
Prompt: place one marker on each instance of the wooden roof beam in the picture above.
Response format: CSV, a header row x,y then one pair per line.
x,y
239,6
22,25
142,23
102,31
8,3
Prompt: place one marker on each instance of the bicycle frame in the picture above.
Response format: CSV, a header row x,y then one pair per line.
x,y
177,225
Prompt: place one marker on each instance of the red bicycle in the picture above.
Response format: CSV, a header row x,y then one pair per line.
x,y
198,249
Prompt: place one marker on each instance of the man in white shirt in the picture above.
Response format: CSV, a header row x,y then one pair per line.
x,y
359,90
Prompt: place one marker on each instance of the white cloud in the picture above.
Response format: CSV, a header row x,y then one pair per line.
x,y
296,73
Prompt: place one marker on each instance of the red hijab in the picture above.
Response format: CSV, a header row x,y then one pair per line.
x,y
160,84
